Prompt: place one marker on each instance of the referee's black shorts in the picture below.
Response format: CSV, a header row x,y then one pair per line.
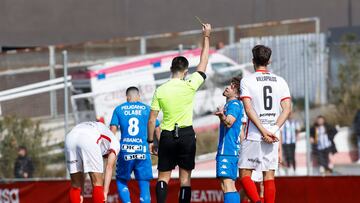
x,y
177,151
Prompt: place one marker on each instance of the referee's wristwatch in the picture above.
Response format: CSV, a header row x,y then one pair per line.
x,y
150,141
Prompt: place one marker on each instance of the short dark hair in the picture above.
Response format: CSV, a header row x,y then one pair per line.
x,y
179,64
130,89
261,55
22,148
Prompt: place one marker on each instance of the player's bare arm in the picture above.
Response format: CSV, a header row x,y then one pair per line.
x,y
151,129
113,129
267,135
286,111
108,173
242,132
158,133
228,120
204,58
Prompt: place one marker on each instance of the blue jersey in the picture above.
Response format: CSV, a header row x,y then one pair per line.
x,y
132,119
229,138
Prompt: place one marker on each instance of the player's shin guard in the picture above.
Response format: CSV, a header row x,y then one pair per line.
x,y
250,189
144,191
185,194
123,191
230,197
161,191
98,194
74,195
269,191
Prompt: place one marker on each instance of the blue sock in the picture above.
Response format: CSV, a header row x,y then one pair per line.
x,y
231,197
123,191
144,186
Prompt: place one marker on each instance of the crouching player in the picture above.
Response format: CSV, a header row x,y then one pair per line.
x,y
85,147
229,141
131,118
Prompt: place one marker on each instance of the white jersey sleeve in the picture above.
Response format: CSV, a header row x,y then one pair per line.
x,y
285,92
107,140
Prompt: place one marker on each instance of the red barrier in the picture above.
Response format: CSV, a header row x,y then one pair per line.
x,y
289,189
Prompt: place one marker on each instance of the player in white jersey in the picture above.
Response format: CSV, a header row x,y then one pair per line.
x,y
85,147
267,102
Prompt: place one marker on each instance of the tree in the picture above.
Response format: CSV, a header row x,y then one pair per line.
x,y
15,132
347,93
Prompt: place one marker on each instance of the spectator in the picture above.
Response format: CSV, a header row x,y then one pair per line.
x,y
290,133
322,140
356,127
23,165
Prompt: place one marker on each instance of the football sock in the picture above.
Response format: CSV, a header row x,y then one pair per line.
x,y
185,194
161,191
144,191
250,189
269,191
98,194
123,190
74,195
231,197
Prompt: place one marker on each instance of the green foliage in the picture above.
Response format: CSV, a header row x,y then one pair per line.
x,y
347,94
15,132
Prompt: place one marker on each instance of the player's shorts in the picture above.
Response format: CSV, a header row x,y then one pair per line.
x,y
177,151
226,166
257,176
82,155
142,168
259,155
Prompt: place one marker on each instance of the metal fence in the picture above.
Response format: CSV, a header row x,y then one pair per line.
x,y
291,55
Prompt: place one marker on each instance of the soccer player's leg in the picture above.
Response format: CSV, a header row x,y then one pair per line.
x,y
143,174
74,164
77,182
269,164
94,165
226,171
250,159
123,175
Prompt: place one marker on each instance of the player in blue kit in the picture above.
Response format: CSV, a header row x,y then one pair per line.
x,y
229,141
131,118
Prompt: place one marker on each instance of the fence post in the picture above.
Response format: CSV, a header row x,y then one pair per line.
x,y
142,45
53,99
231,35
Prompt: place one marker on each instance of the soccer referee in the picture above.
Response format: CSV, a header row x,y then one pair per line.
x,y
175,99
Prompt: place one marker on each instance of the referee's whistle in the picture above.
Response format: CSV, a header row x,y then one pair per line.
x,y
176,135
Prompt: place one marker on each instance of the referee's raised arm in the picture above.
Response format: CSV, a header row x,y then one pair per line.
x,y
177,145
204,58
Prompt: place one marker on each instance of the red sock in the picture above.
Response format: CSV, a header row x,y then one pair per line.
x,y
74,195
250,189
269,191
245,201
98,194
262,200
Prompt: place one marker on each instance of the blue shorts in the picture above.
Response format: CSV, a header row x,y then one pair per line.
x,y
227,166
142,168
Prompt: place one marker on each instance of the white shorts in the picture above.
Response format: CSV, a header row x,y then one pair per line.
x,y
259,155
82,154
257,176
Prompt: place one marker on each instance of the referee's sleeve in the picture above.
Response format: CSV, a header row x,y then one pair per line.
x,y
196,80
155,105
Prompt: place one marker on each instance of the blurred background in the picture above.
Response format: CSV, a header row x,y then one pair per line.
x,y
64,62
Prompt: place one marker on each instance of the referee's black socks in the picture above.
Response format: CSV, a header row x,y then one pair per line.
x,y
161,191
185,194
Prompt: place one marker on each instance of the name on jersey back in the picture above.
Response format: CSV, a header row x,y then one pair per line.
x,y
266,78
130,110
